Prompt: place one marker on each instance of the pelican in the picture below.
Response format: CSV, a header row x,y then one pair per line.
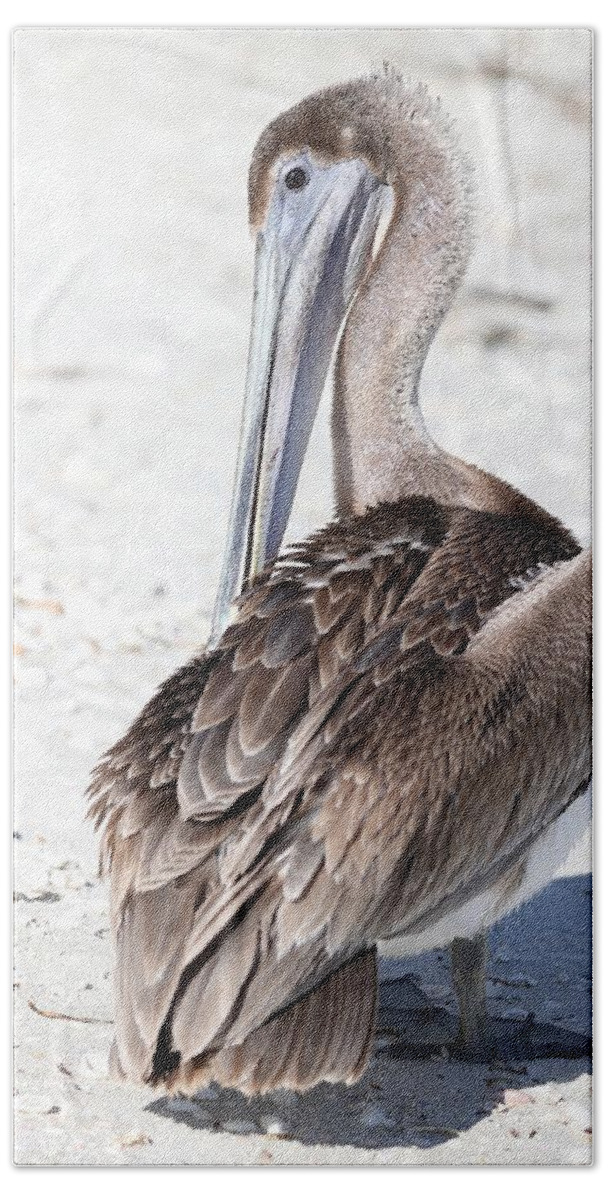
x,y
386,743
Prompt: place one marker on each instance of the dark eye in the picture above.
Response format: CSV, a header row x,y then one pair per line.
x,y
296,178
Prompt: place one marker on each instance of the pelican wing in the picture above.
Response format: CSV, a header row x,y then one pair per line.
x,y
274,798
418,813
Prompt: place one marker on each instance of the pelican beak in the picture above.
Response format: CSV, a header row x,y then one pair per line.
x,y
310,258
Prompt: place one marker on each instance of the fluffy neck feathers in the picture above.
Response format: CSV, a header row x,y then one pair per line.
x,y
380,439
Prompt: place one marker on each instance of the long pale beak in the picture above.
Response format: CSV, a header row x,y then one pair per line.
x,y
303,286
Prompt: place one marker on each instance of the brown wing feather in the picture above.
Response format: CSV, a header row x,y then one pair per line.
x,y
326,1036
233,894
503,776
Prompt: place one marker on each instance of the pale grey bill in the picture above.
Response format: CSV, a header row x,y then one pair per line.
x,y
307,270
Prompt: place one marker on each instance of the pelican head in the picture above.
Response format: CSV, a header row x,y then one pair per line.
x,y
315,205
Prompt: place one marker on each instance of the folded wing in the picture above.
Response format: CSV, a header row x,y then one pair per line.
x,y
281,803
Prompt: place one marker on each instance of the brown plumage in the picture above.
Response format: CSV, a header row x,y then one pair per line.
x,y
397,714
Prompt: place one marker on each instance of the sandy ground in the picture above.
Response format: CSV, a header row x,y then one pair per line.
x,y
133,281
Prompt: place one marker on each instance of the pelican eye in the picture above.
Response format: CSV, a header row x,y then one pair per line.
x,y
296,179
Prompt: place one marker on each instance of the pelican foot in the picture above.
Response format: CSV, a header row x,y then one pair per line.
x,y
502,1040
476,1046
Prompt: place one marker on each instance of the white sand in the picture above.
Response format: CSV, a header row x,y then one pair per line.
x,y
132,305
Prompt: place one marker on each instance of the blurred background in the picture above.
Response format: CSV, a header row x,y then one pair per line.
x,y
133,278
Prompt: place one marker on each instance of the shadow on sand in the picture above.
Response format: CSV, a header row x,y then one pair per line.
x,y
539,995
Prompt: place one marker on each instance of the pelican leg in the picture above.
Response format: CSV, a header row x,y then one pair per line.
x,y
468,961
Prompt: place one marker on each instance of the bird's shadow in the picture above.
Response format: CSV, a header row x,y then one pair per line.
x,y
539,970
